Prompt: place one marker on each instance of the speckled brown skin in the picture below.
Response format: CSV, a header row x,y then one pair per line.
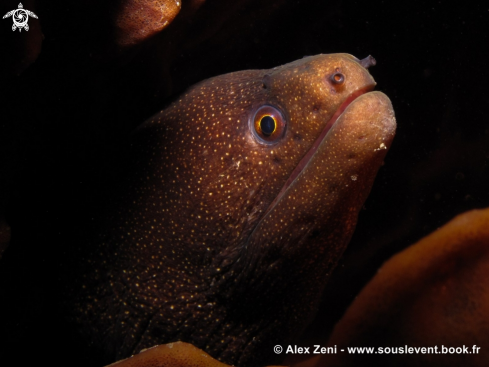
x,y
433,293
195,250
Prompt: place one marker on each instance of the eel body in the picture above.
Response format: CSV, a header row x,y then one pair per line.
x,y
237,201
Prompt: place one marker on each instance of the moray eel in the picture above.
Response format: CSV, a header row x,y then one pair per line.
x,y
433,294
239,199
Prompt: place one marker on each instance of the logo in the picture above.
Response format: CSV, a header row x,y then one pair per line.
x,y
20,17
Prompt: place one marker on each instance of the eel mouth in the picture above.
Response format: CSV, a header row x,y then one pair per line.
x,y
317,143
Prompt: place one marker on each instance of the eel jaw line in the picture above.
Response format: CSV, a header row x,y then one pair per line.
x,y
305,160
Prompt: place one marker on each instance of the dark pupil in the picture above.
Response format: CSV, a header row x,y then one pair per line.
x,y
267,125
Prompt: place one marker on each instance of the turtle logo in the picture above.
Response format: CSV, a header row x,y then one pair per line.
x,y
20,17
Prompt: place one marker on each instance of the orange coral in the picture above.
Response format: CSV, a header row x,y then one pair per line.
x,y
434,293
138,20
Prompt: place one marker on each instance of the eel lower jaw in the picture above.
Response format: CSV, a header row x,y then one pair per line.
x,y
307,157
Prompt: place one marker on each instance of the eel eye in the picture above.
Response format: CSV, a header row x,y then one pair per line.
x,y
338,78
268,124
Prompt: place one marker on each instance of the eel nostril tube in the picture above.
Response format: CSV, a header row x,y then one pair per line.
x,y
368,62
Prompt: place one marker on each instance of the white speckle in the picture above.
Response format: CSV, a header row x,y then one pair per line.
x,y
381,146
354,177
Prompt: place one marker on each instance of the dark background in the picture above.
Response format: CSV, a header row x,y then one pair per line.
x,y
64,116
